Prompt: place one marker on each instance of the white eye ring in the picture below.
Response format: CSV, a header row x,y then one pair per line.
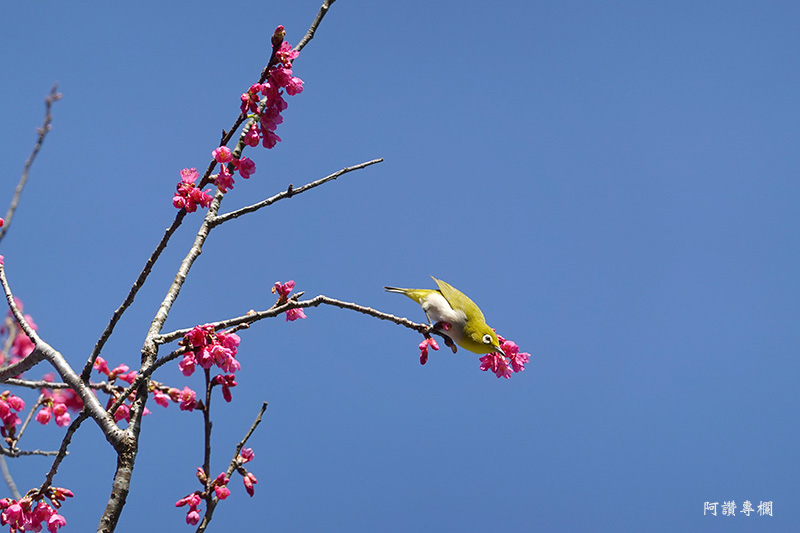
x,y
487,339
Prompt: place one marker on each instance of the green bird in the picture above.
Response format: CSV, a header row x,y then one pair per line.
x,y
452,313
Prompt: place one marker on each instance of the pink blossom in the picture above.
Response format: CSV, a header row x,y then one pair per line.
x,y
187,399
101,366
189,196
222,492
61,494
160,397
14,515
192,500
23,345
497,364
63,419
55,522
270,118
423,348
121,369
44,415
16,403
249,480
250,99
281,75
252,136
283,289
229,340
192,517
294,314
227,381
123,412
129,377
189,176
187,364
294,86
224,179
222,154
286,54
246,167
246,455
270,139
209,348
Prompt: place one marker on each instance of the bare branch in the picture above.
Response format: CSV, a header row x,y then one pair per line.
x,y
42,131
289,192
213,501
87,369
323,10
9,479
62,451
91,403
36,405
41,384
19,453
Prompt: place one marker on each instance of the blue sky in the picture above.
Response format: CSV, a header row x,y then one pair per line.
x,y
615,184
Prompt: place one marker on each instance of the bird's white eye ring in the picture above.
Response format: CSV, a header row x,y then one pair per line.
x,y
487,339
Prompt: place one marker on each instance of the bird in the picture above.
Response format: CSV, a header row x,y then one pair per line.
x,y
451,313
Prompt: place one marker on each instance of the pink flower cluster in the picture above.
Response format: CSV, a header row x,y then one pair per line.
x,y
227,381
423,348
268,111
219,486
123,373
193,500
209,348
9,406
224,156
21,344
189,196
248,478
503,366
283,290
31,513
57,404
265,101
186,398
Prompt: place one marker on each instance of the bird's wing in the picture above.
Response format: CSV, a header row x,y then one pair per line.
x,y
458,300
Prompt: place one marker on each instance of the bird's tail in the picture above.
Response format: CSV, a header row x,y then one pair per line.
x,y
415,294
396,289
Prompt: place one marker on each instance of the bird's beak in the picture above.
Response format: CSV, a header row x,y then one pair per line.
x,y
499,350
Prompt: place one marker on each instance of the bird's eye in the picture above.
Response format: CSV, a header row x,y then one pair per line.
x,y
487,339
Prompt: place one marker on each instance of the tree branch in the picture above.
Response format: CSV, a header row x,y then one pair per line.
x,y
87,369
289,192
110,429
214,500
323,10
42,131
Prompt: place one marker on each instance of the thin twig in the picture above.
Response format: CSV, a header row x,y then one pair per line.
x,y
9,479
42,131
42,384
291,191
18,453
314,25
62,451
296,304
207,425
87,369
214,500
36,405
